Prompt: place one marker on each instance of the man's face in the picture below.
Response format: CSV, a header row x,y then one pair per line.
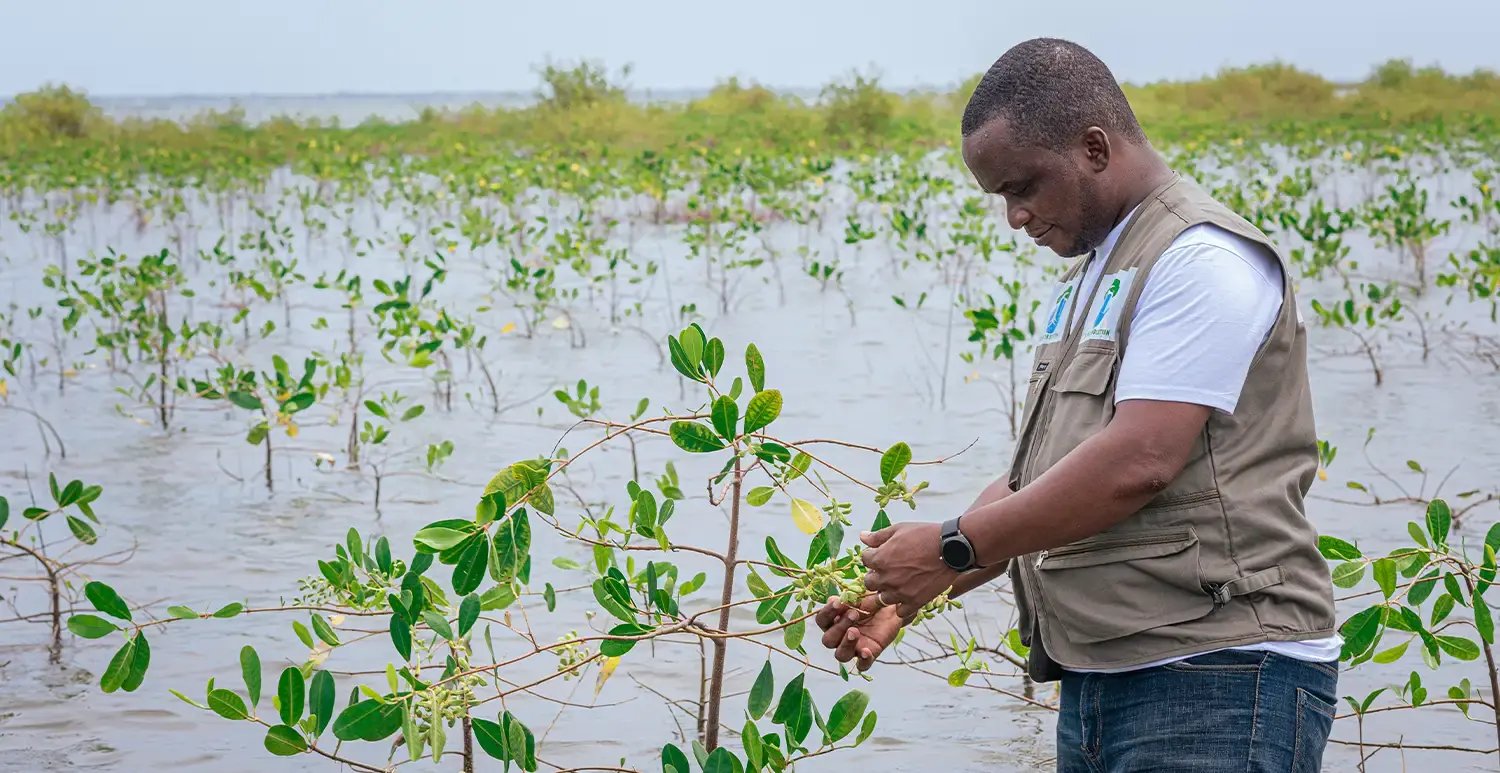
x,y
1054,196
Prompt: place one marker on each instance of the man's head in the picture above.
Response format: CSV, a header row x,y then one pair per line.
x,y
1042,129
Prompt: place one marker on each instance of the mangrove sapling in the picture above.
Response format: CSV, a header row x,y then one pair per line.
x,y
273,399
1360,313
1419,586
1422,493
387,413
26,539
441,622
1401,221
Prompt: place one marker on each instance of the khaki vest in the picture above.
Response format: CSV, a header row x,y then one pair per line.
x,y
1225,555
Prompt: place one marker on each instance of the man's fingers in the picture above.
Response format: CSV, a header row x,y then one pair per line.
x,y
847,649
875,539
873,581
835,633
869,557
867,651
830,612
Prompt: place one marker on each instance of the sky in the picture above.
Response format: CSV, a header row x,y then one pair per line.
x,y
167,47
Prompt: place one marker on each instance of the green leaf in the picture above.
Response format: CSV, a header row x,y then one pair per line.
x,y
1384,571
291,690
367,721
4,511
440,538
468,612
846,713
762,409
1442,608
1439,518
794,633
726,416
1335,549
1393,654
759,495
1416,533
401,635
721,760
106,600
437,623
324,632
468,573
284,741
1492,538
227,704
959,677
680,360
760,692
1360,632
413,412
82,531
1348,574
674,759
245,400
1459,647
695,438
755,368
1483,621
866,729
491,739
787,706
320,698
140,660
1422,588
300,402
230,610
498,597
893,461
118,669
613,648
511,546
250,670
91,626
303,635
182,613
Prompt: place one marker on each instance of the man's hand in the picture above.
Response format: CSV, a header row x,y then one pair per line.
x,y
859,633
906,568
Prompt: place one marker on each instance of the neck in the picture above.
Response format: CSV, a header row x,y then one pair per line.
x,y
1144,171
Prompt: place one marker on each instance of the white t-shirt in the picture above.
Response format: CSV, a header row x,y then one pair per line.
x,y
1208,305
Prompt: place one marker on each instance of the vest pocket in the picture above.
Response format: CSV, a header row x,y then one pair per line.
x,y
1088,372
1124,583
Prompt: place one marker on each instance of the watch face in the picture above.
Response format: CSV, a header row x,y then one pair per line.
x,y
956,554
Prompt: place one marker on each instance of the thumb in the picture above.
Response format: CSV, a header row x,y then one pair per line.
x,y
875,539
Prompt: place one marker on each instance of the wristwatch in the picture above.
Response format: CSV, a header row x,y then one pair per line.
x,y
956,551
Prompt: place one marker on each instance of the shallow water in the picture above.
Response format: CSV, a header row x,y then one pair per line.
x,y
204,538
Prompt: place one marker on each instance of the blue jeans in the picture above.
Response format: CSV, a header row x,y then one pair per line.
x,y
1240,711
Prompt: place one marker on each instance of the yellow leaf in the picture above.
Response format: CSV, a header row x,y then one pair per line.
x,y
807,516
561,323
335,620
610,664
510,327
972,377
1322,474
4,388
291,429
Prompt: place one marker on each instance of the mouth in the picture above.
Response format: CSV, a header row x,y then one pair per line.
x,y
1038,237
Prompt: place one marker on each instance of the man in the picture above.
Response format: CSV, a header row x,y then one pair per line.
x,y
1162,563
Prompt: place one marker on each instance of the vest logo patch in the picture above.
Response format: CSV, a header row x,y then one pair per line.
x,y
1059,310
1104,317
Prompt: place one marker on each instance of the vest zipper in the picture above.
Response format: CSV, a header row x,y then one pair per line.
x,y
1176,535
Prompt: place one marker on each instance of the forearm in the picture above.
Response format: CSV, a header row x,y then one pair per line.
x,y
1104,480
974,578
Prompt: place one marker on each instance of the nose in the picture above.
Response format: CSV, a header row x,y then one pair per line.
x,y
1018,216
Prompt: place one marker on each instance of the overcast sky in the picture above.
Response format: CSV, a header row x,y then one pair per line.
x,y
319,46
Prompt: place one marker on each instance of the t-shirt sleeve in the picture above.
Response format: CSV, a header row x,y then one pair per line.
x,y
1207,307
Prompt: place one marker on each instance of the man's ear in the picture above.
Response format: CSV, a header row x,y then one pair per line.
x,y
1096,148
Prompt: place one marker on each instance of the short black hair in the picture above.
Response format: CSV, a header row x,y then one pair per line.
x,y
1050,91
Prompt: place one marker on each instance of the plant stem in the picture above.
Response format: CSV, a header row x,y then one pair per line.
x,y
716,684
